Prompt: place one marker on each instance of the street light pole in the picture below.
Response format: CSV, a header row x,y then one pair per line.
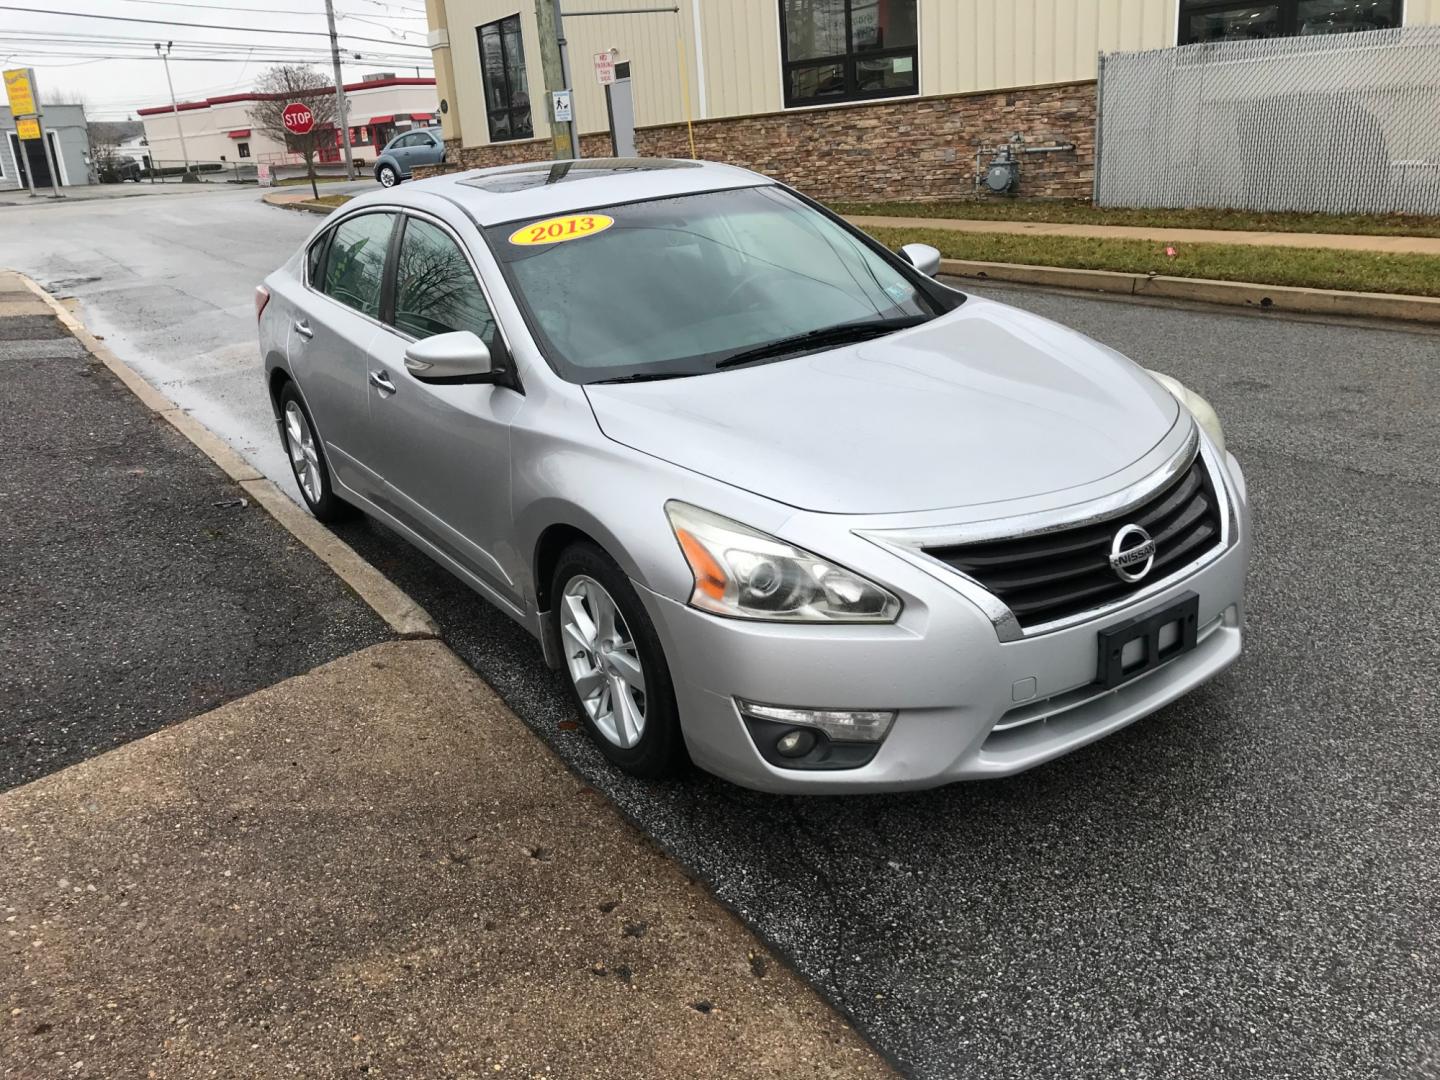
x,y
341,112
174,108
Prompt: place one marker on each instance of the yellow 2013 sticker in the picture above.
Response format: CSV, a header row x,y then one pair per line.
x,y
557,230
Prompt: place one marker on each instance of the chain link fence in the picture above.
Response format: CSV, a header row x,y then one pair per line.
x,y
1342,124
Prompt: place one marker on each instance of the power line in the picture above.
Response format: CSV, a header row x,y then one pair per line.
x,y
388,4
231,7
317,59
43,37
342,15
203,26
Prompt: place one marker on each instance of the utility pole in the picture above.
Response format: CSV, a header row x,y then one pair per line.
x,y
174,108
564,136
341,112
565,74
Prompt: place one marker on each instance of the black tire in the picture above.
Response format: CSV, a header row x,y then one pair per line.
x,y
329,507
389,171
660,751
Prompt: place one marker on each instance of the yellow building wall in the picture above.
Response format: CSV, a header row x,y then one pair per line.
x,y
1422,12
965,45
660,48
991,44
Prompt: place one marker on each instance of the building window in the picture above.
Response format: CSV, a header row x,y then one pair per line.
x,y
502,70
848,50
242,149
1225,20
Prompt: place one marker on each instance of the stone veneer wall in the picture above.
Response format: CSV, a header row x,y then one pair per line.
x,y
915,149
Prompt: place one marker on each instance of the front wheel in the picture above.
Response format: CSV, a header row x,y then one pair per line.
x,y
615,663
387,176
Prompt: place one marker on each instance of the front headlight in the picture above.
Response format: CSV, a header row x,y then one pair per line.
x,y
1201,409
748,575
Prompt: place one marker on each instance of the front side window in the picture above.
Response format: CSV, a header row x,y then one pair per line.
x,y
686,285
1226,20
355,265
502,70
848,50
435,289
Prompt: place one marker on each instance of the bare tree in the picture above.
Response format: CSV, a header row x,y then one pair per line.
x,y
286,84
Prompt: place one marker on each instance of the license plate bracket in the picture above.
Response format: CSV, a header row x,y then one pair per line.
x,y
1119,664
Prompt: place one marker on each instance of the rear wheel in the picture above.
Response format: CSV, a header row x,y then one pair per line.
x,y
387,176
307,459
615,663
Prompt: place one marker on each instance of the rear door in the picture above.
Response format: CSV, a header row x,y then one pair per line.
x,y
446,447
330,341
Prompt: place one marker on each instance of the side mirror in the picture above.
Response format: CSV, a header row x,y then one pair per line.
x,y
458,355
923,257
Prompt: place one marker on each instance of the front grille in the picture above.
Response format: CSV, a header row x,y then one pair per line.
x,y
1056,574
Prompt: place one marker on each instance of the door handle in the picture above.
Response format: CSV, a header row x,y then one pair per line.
x,y
381,382
303,329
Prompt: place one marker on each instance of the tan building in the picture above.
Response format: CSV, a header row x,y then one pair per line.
x,y
845,98
219,129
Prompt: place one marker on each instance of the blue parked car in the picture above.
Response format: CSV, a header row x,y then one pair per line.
x,y
406,150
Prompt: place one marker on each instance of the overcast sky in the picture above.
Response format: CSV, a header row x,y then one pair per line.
x,y
72,55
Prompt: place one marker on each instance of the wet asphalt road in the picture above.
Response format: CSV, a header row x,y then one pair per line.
x,y
1244,884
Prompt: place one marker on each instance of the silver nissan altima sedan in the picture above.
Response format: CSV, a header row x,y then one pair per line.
x,y
774,498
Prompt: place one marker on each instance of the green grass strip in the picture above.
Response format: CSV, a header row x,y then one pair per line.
x,y
1315,268
1078,212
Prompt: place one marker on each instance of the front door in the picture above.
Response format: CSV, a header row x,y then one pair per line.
x,y
29,156
444,449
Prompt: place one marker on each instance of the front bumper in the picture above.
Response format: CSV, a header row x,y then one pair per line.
x,y
969,705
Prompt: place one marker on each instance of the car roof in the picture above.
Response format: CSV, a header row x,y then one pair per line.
x,y
543,189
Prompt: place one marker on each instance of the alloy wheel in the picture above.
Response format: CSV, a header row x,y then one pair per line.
x,y
304,458
603,661
387,178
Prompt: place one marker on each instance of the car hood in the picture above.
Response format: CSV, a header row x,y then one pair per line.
x,y
983,404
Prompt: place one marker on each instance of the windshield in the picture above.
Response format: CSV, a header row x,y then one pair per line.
x,y
677,286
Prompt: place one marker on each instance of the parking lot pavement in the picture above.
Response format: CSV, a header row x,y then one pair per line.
x,y
373,870
1245,884
139,586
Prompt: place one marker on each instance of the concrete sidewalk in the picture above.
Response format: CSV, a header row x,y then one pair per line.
x,y
373,869
1394,245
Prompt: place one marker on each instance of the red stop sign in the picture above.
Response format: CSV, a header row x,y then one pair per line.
x,y
299,120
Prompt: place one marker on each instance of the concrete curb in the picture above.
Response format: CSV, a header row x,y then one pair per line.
x,y
287,202
1422,309
402,614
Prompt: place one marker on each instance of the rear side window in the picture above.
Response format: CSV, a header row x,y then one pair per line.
x,y
435,289
356,264
315,259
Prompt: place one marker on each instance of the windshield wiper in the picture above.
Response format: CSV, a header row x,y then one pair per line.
x,y
645,376
840,334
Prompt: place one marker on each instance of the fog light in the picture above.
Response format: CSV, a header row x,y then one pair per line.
x,y
795,743
840,724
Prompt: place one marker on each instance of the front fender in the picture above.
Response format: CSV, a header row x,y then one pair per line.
x,y
615,495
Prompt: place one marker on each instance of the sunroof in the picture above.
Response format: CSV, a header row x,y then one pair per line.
x,y
565,172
